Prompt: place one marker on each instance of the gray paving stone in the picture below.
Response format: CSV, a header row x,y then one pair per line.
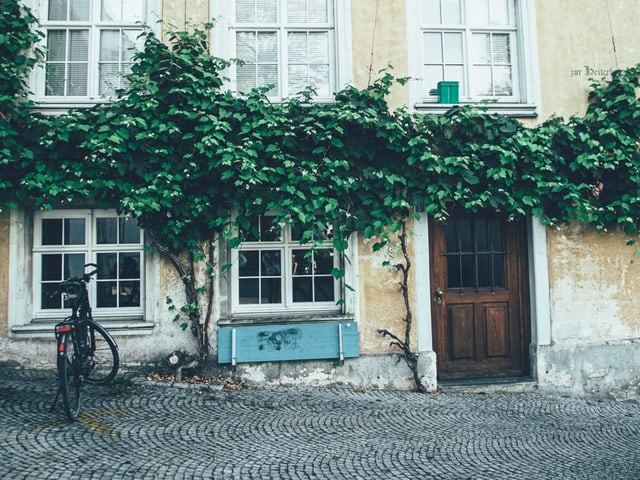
x,y
153,431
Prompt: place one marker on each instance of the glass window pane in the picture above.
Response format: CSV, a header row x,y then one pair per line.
x,y
318,47
129,294
111,10
433,47
481,81
302,289
51,267
298,78
503,83
246,77
106,294
270,261
129,231
297,11
500,48
54,80
79,10
77,80
78,45
268,75
481,48
453,48
73,265
57,10
109,79
319,78
52,231
451,12
74,231
432,75
478,12
256,11
324,291
499,12
106,230
248,263
130,265
248,291
245,10
317,11
430,12
302,262
56,45
107,265
297,47
323,261
109,45
270,231
267,47
47,298
271,290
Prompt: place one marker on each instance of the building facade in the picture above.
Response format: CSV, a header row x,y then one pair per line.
x,y
554,306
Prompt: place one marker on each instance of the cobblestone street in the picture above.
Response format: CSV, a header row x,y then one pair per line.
x,y
146,432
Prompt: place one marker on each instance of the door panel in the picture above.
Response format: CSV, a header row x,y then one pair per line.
x,y
479,298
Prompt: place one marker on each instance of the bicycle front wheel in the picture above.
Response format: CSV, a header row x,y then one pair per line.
x,y
69,376
103,354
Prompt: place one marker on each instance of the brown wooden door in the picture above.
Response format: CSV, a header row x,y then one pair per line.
x,y
479,296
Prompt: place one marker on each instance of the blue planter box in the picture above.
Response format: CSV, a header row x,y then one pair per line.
x,y
295,341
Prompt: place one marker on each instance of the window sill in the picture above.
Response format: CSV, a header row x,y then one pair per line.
x,y
44,329
518,110
283,320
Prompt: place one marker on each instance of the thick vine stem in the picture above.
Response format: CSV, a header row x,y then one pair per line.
x,y
410,357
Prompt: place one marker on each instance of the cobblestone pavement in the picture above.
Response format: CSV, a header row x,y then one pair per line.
x,y
148,432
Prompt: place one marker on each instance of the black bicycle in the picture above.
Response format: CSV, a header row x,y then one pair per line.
x,y
86,352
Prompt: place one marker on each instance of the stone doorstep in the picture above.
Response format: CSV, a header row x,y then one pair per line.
x,y
499,385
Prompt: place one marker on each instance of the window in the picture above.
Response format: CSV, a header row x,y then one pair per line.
x,y
89,44
285,44
484,45
64,241
273,272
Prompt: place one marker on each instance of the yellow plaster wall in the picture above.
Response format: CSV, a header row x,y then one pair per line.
x,y
594,286
578,39
379,39
4,273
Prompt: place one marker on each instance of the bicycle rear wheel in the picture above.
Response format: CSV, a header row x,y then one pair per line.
x,y
69,376
103,354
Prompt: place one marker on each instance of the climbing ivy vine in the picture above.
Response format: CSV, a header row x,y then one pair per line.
x,y
193,162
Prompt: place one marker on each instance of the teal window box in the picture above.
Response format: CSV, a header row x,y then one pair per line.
x,y
290,341
448,92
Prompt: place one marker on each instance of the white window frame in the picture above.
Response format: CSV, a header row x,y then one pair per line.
x,y
224,44
90,249
94,26
287,306
523,102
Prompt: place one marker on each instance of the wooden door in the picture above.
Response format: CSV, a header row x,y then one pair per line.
x,y
479,296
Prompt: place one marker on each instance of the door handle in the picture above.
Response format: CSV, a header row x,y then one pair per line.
x,y
438,295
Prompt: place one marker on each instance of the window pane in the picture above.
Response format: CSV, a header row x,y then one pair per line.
x,y
432,75
106,230
481,81
499,12
324,289
106,294
451,12
246,77
302,289
74,231
78,45
298,78
500,49
503,83
129,294
270,231
297,47
270,261
107,265
308,11
129,230
79,10
57,9
51,268
54,81
271,291
478,12
77,80
318,47
246,48
47,298
268,75
430,12
433,47
481,52
267,47
52,231
319,79
56,45
249,291
323,261
130,265
122,11
453,48
73,265
109,45
256,11
248,264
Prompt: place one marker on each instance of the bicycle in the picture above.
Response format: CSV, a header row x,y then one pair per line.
x,y
85,351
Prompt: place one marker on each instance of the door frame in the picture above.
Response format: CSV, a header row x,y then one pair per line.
x,y
539,298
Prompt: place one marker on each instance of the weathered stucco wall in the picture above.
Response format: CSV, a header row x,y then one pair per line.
x,y
4,273
579,39
379,39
